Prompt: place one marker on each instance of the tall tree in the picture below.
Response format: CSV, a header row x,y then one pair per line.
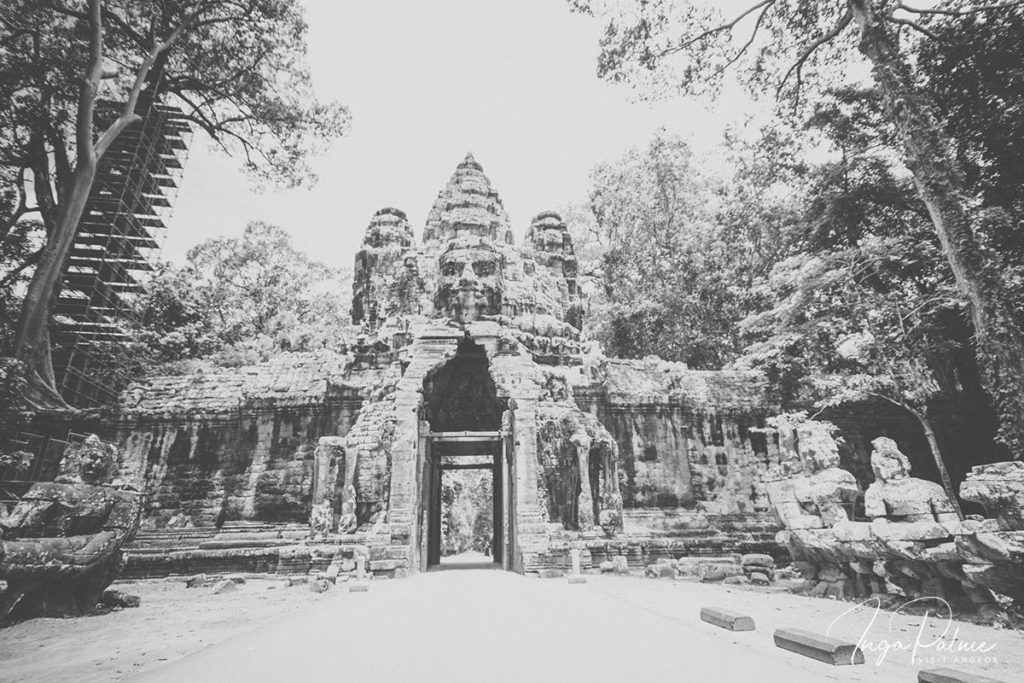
x,y
864,308
239,299
235,67
259,284
668,46
660,270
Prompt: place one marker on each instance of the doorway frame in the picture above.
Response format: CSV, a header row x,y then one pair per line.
x,y
497,445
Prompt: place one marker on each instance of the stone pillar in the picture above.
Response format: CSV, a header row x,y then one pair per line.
x,y
328,461
574,555
585,504
525,439
348,522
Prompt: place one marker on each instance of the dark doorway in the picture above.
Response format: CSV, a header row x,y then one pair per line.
x,y
461,396
461,432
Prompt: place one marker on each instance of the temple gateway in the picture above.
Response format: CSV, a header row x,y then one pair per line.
x,y
467,351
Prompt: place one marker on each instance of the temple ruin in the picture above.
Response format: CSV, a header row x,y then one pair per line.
x,y
464,344
467,351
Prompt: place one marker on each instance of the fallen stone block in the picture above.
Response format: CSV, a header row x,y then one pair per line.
x,y
116,598
713,575
606,567
319,585
739,580
815,646
225,586
237,578
621,565
730,621
358,587
759,579
952,676
386,565
576,578
198,581
757,559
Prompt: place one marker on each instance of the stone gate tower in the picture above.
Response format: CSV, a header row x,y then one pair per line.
x,y
464,343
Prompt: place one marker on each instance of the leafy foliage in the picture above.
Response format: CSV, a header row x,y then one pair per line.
x,y
467,511
665,48
72,77
864,294
978,85
239,299
674,251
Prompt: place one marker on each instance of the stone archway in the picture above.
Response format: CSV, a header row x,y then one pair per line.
x,y
462,415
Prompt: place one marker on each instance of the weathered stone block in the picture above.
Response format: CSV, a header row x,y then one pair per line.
x,y
739,580
757,559
999,487
759,579
116,598
730,621
819,647
386,565
319,585
225,586
198,581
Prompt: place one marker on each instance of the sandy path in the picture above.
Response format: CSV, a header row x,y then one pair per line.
x,y
172,622
470,626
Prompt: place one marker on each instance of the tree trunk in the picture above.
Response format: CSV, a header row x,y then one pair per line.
x,y
940,184
933,445
32,341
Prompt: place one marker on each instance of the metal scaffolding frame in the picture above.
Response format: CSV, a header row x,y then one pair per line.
x,y
118,237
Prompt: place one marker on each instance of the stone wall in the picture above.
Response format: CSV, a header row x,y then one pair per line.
x,y
229,444
254,466
686,438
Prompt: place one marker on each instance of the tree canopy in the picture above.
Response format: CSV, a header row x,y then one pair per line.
x,y
72,75
666,48
238,299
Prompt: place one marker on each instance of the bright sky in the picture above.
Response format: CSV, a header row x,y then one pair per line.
x,y
513,81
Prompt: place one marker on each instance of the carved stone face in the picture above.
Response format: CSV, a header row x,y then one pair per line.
x,y
471,281
818,446
91,462
888,463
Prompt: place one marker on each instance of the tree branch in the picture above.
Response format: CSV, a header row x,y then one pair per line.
x,y
916,26
750,41
959,12
20,210
90,83
721,27
844,21
118,21
32,259
128,115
